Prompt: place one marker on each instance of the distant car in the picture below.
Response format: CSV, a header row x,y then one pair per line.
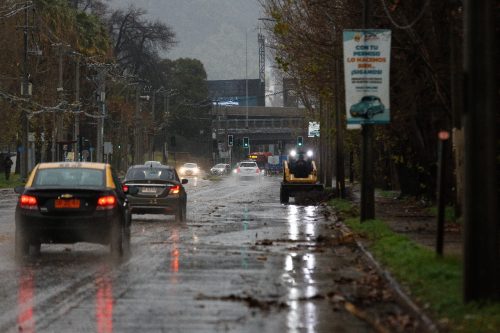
x,y
220,169
368,107
189,169
152,163
247,170
158,191
69,202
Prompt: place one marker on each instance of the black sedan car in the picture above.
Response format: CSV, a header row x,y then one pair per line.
x,y
72,202
158,191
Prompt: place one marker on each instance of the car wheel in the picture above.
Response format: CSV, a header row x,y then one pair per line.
x,y
35,248
117,240
126,240
22,245
369,114
284,196
180,215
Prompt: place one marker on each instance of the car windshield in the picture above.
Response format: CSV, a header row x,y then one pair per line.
x,y
190,165
73,177
150,174
248,165
368,99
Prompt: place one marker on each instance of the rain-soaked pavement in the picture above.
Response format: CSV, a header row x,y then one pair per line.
x,y
241,263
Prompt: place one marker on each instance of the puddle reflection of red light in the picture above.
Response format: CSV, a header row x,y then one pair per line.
x,y
174,253
25,295
104,303
175,260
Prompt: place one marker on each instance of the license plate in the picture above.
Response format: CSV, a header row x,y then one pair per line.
x,y
65,203
148,190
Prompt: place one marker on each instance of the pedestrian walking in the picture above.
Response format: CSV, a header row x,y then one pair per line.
x,y
7,165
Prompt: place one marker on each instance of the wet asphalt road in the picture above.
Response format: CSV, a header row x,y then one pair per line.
x,y
241,263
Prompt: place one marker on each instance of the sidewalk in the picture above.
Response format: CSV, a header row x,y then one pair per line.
x,y
414,219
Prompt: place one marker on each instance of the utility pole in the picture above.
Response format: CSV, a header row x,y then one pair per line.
x,y
482,197
328,144
367,183
246,78
165,122
76,132
339,141
60,92
102,114
137,129
152,136
26,93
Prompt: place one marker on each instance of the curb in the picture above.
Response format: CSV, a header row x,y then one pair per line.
x,y
401,296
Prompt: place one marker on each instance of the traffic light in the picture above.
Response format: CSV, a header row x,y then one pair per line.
x,y
230,140
246,142
300,141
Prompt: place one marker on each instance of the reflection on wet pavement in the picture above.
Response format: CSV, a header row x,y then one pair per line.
x,y
299,272
174,255
242,263
25,301
28,293
104,301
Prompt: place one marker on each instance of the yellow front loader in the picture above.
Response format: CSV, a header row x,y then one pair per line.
x,y
291,184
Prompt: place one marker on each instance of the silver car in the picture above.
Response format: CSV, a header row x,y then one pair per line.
x,y
248,170
220,169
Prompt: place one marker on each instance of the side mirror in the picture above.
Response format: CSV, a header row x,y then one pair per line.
x,y
19,189
184,181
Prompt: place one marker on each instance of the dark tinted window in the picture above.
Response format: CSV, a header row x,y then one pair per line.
x,y
69,177
148,173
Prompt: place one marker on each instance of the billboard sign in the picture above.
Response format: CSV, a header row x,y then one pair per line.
x,y
313,129
367,55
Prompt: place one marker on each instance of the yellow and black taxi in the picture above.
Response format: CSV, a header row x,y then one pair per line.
x,y
158,190
70,202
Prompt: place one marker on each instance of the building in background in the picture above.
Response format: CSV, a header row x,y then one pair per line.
x,y
234,92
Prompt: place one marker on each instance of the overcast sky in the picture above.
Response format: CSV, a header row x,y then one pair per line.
x,y
212,31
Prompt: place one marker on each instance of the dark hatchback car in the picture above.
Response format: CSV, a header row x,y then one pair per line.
x,y
158,191
70,202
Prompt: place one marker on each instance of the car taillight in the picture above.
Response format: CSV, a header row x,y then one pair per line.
x,y
28,202
175,189
106,202
257,170
238,170
125,188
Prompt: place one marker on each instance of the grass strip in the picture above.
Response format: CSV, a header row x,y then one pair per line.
x,y
14,180
435,283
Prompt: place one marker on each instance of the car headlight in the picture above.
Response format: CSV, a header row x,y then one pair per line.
x,y
293,153
309,153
